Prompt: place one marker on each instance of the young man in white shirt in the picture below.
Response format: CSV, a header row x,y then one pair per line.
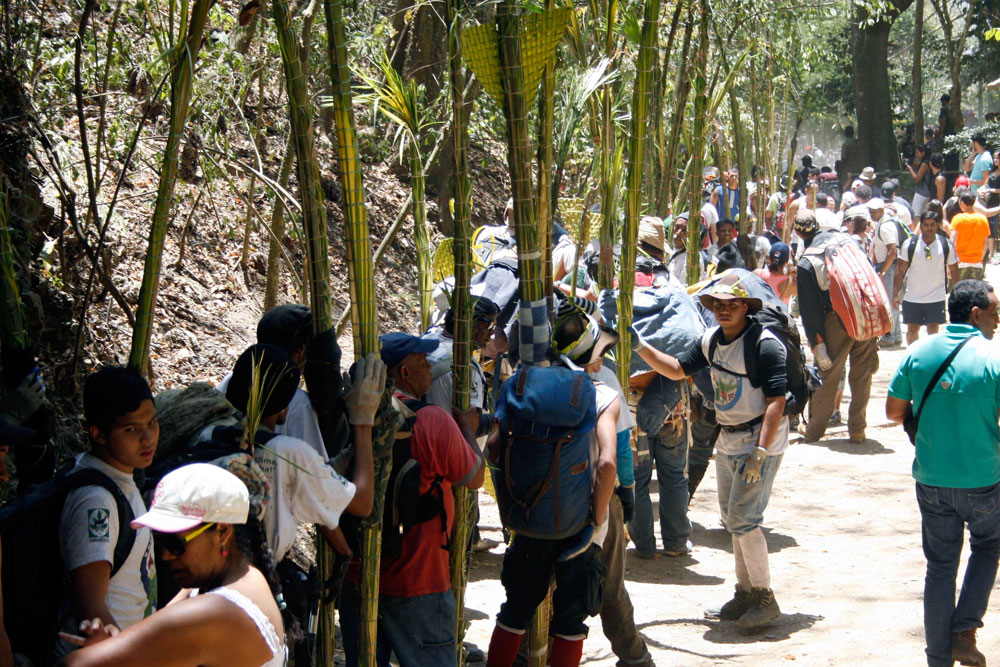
x,y
929,253
123,433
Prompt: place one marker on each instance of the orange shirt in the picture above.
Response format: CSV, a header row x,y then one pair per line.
x,y
971,229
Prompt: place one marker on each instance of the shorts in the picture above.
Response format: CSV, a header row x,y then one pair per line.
x,y
973,272
923,313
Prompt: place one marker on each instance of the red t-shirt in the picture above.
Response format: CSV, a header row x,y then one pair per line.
x,y
438,445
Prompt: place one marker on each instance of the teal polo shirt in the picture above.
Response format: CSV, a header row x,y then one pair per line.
x,y
958,442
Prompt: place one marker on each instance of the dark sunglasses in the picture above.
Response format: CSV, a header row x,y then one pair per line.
x,y
175,544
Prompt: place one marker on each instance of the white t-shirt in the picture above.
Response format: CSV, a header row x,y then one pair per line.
x,y
303,489
901,212
300,422
608,377
88,533
827,219
710,216
885,235
442,387
925,279
677,265
736,400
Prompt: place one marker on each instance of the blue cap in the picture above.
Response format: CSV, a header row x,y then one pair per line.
x,y
779,253
396,346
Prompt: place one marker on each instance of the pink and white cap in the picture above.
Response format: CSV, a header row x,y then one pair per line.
x,y
196,494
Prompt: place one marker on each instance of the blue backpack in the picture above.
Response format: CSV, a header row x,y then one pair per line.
x,y
541,464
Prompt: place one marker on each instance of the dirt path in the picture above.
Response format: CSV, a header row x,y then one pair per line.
x,y
843,530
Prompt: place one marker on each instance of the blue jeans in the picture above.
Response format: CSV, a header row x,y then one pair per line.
x,y
742,505
944,513
669,452
419,630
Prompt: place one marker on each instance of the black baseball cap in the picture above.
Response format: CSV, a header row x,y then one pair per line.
x,y
280,378
289,326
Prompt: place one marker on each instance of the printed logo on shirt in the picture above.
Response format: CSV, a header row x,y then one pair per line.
x,y
98,528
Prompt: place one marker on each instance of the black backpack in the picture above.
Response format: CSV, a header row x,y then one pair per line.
x,y
34,585
943,238
803,380
405,506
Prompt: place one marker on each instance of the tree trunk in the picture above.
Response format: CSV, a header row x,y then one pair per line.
x,y
918,79
871,86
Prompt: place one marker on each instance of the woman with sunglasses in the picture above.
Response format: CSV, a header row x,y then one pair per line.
x,y
227,612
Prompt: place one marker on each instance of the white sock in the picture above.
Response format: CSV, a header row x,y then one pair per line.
x,y
742,575
753,546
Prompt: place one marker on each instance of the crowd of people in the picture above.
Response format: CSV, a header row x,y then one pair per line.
x,y
175,528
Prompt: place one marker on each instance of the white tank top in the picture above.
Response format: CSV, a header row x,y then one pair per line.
x,y
279,653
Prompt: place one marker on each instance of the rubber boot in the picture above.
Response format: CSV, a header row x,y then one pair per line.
x,y
565,652
503,647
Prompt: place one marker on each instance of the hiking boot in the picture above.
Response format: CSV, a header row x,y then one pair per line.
x,y
835,419
678,551
739,605
963,649
763,609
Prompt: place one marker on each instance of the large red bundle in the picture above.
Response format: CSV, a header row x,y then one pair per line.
x,y
856,292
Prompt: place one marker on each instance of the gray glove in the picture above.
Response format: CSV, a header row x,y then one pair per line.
x,y
364,390
823,359
24,400
750,470
638,342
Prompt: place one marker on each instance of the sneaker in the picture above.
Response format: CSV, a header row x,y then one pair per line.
x,y
963,649
888,343
484,544
472,653
804,432
678,551
763,609
646,555
835,419
739,605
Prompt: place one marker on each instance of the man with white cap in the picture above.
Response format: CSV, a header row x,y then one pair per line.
x,y
885,249
751,414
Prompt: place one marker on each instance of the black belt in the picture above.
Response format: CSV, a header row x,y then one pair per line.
x,y
745,426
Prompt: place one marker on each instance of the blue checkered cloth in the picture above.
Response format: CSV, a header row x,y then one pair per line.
x,y
534,331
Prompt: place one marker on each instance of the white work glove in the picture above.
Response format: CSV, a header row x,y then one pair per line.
x,y
750,470
25,399
823,359
364,390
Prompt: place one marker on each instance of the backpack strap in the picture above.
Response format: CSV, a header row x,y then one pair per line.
x,y
751,342
126,534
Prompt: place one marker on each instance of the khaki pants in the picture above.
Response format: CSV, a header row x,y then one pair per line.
x,y
617,619
864,362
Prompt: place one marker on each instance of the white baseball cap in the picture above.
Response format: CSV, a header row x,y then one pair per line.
x,y
876,204
196,494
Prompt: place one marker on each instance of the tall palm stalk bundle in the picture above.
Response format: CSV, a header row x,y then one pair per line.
x,y
518,152
699,69
183,56
364,315
636,167
461,305
609,159
12,320
682,89
317,243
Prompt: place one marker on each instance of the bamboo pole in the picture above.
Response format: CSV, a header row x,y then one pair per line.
x,y
364,315
609,191
682,89
182,59
317,247
636,166
699,67
462,306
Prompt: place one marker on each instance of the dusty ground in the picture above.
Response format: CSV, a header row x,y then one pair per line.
x,y
843,532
